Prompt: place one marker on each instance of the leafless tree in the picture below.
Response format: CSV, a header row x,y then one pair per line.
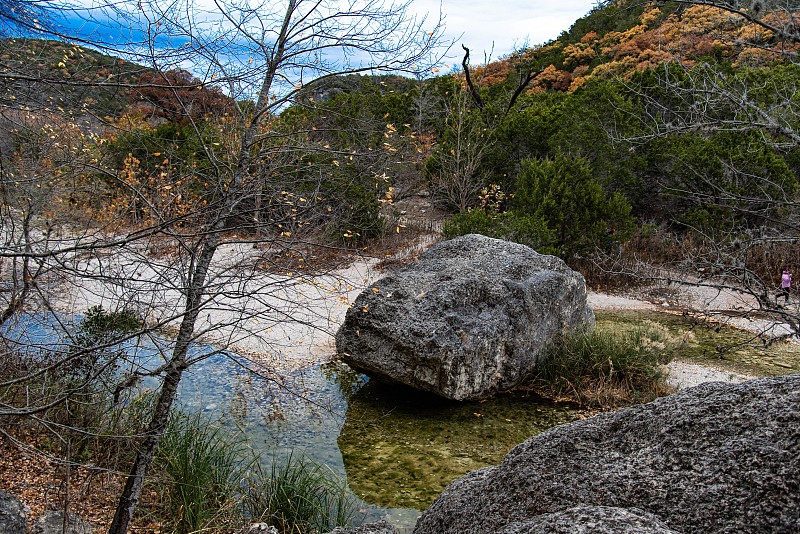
x,y
458,178
260,56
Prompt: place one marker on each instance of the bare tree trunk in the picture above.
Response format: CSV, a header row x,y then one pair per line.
x,y
132,492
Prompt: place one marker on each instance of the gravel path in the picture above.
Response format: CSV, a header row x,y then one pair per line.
x,y
683,375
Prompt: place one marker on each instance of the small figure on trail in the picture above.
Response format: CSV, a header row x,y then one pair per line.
x,y
786,285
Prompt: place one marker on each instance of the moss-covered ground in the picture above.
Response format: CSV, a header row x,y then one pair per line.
x,y
712,343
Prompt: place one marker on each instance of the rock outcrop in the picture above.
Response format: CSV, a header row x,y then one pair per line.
x,y
471,318
713,458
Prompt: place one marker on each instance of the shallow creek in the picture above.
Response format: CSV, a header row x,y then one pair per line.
x,y
398,448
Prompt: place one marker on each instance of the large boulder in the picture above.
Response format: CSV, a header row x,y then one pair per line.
x,y
713,458
471,318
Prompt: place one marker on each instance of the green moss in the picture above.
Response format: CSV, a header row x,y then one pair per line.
x,y
401,447
712,343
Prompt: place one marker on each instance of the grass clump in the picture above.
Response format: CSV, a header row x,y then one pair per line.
x,y
200,467
606,370
298,496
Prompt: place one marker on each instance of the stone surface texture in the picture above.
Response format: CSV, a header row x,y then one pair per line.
x,y
12,514
713,458
258,528
379,527
52,522
469,319
591,520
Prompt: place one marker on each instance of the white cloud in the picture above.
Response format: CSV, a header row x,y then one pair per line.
x,y
506,24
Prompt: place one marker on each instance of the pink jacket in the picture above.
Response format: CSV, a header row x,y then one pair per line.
x,y
786,280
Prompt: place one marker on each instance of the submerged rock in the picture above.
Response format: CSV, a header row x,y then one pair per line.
x,y
471,318
713,458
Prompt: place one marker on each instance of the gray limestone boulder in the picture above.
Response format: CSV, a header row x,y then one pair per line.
x,y
52,522
12,514
379,527
471,318
713,458
591,520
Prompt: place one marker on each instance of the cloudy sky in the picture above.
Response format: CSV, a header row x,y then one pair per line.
x,y
505,23
490,28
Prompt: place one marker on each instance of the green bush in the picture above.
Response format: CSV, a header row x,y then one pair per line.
x,y
510,226
563,193
355,210
724,182
94,349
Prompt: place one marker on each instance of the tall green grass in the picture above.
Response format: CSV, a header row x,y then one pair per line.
x,y
201,468
298,496
601,369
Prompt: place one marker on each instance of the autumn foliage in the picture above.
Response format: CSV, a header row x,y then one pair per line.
x,y
178,96
657,35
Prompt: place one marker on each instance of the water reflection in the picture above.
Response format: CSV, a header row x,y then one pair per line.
x,y
401,447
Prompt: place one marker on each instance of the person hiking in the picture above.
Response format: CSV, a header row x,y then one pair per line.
x,y
786,286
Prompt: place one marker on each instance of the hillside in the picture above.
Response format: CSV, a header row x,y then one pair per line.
x,y
46,75
620,38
